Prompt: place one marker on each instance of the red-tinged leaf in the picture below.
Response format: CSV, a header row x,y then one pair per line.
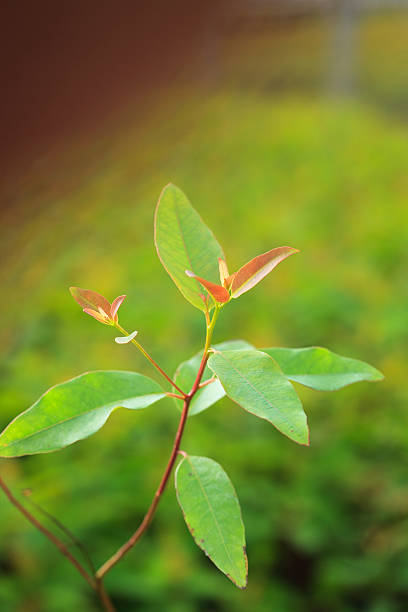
x,y
90,299
224,274
220,294
99,316
255,270
116,304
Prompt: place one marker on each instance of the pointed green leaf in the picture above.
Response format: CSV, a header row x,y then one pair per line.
x,y
184,242
212,513
320,369
255,270
255,381
74,410
207,396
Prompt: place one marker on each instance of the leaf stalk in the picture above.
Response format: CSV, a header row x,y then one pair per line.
x,y
121,552
150,358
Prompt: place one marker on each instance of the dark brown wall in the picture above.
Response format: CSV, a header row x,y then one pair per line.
x,y
68,64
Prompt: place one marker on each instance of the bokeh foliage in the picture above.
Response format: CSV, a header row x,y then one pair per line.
x,y
326,525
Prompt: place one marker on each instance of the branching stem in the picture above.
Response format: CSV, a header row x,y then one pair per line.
x,y
48,534
64,530
150,358
95,581
121,552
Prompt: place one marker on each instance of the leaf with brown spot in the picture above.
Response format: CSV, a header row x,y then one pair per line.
x,y
212,513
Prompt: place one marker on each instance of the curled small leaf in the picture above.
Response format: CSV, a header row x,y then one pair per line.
x,y
219,293
116,304
126,339
97,305
225,277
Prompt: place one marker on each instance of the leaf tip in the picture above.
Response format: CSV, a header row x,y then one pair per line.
x,y
378,376
116,304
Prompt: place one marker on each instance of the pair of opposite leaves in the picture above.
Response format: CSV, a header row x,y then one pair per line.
x,y
192,255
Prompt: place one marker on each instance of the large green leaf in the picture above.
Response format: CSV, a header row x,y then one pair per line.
x,y
184,242
255,381
74,410
213,516
320,369
187,371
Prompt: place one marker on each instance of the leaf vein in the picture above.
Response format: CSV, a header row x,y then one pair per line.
x,y
212,512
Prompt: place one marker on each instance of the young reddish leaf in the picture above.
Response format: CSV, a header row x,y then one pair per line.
x,y
220,294
225,277
99,315
96,305
116,304
255,270
90,299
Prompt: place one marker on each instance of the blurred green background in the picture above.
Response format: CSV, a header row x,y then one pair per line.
x,y
273,147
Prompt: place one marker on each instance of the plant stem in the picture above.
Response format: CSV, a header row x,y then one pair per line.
x,y
149,358
176,395
104,597
65,530
117,556
206,382
48,534
96,581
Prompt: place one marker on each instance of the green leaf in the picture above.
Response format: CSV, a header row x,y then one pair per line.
x,y
184,242
320,369
255,381
187,371
212,513
74,410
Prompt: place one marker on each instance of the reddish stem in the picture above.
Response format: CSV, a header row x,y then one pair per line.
x,y
121,552
48,534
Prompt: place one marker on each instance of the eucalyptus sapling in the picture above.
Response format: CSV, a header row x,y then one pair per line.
x,y
260,381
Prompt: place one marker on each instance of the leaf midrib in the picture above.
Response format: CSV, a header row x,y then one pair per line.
x,y
176,212
261,394
110,406
212,512
250,278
